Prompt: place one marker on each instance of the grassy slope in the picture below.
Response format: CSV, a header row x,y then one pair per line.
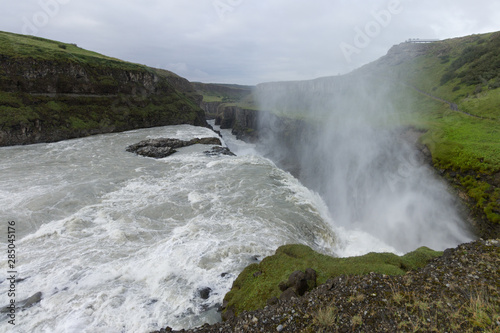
x,y
114,106
224,93
23,47
227,94
19,46
464,71
250,291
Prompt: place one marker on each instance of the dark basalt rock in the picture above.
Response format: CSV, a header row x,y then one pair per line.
x,y
288,294
217,151
205,292
311,277
32,300
228,314
156,152
272,301
205,141
24,304
163,147
298,283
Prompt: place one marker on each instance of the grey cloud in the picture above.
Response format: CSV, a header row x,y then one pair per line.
x,y
243,41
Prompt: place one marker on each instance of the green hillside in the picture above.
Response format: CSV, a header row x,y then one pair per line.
x,y
23,46
51,91
224,93
452,94
449,91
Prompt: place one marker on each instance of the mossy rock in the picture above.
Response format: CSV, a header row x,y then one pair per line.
x,y
260,282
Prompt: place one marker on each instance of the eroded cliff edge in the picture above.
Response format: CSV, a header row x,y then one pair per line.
x,y
51,91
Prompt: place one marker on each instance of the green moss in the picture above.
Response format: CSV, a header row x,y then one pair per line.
x,y
21,116
250,291
80,124
54,106
486,197
10,99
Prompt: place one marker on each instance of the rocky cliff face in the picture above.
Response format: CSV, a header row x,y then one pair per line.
x,y
243,122
230,106
32,76
55,96
211,109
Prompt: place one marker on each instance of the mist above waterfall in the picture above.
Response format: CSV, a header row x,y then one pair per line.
x,y
341,136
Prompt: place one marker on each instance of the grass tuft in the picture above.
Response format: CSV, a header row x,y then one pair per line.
x,y
326,317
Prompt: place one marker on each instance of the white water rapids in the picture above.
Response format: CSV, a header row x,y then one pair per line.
x,y
122,243
116,242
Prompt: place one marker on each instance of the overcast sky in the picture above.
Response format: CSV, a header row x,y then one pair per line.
x,y
248,41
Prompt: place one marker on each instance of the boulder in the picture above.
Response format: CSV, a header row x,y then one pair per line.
x,y
217,151
288,294
311,277
298,283
156,152
272,301
205,141
163,147
228,314
205,292
32,300
25,303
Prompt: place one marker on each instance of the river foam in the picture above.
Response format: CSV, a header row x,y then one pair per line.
x,y
122,243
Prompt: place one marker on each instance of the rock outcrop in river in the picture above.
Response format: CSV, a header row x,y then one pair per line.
x,y
163,147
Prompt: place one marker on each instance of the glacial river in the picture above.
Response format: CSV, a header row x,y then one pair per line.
x,y
116,242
